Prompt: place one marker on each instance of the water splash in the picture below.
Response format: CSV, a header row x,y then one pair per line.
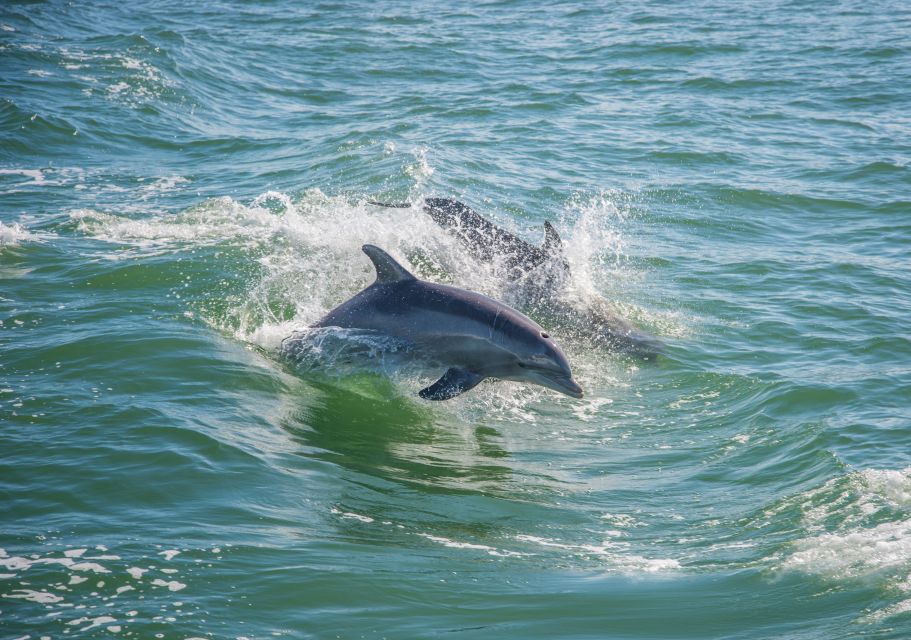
x,y
307,252
14,234
858,528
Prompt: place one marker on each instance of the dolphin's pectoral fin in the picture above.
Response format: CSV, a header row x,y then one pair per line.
x,y
454,382
552,243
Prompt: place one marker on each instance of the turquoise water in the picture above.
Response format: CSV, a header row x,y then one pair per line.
x,y
184,184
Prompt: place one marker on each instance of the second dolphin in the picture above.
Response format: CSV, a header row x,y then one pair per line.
x,y
539,277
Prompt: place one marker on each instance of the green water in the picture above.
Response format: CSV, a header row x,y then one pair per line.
x,y
184,185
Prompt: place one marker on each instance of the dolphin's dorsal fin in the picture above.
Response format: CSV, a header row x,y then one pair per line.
x,y
387,269
552,243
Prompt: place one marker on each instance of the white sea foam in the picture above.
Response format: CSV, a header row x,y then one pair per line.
x,y
164,184
853,554
81,592
94,622
15,563
89,566
892,487
622,520
14,234
172,585
612,553
589,409
136,572
18,563
127,79
899,608
36,175
454,544
859,528
41,597
352,516
21,180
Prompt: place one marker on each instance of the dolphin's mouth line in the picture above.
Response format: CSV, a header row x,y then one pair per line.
x,y
562,383
572,389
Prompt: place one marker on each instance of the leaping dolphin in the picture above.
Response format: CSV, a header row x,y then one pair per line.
x,y
476,337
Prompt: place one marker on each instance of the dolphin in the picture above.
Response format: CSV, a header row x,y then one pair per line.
x,y
476,337
486,241
540,274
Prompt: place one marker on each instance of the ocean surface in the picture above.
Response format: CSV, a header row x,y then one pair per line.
x,y
183,184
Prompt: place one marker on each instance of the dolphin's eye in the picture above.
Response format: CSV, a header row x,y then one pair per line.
x,y
521,364
544,335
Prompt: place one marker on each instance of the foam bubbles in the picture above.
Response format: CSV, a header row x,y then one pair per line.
x,y
609,554
612,553
351,515
855,554
41,597
14,234
420,170
43,588
890,487
172,585
859,529
136,572
126,79
35,176
454,544
94,623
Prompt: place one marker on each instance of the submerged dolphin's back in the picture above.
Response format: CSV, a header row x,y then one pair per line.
x,y
483,238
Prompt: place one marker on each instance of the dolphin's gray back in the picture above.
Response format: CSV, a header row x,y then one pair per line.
x,y
488,242
483,239
415,308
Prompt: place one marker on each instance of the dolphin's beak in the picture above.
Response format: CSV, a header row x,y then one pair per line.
x,y
563,384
